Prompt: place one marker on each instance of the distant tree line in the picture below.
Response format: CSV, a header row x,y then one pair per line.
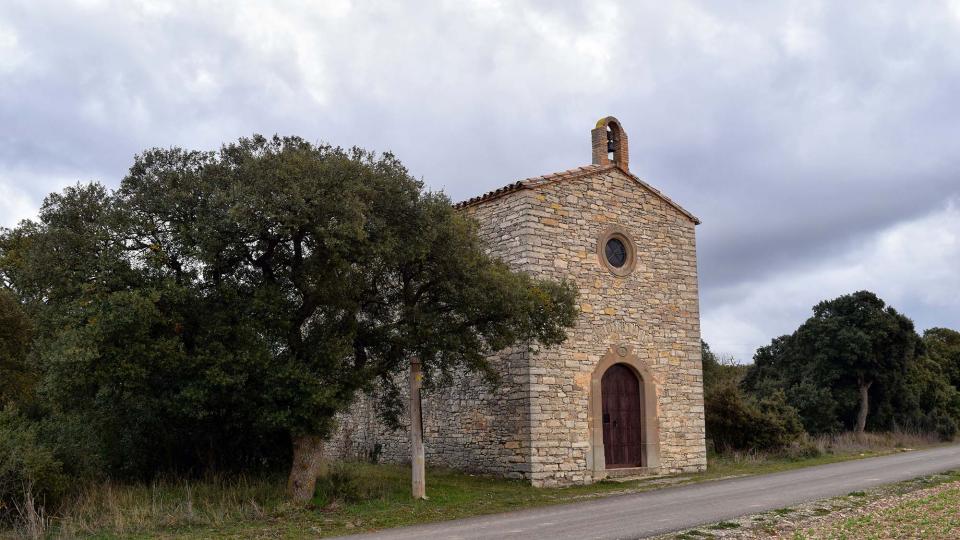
x,y
219,309
855,365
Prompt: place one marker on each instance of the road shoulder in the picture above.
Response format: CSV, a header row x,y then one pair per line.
x,y
924,507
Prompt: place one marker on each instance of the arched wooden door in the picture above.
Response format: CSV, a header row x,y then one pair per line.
x,y
622,418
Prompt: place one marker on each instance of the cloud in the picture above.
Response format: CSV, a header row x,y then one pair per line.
x,y
11,55
912,265
15,203
22,189
797,131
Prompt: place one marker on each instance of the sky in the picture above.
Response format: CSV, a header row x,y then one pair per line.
x,y
818,142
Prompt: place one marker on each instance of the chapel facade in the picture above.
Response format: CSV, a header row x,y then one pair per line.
x,y
624,393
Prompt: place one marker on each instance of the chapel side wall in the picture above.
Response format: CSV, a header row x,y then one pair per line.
x,y
654,312
468,425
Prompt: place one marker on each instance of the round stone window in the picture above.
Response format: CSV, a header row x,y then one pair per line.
x,y
615,251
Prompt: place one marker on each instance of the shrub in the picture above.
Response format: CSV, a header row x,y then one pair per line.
x,y
76,443
28,470
351,482
339,485
16,332
736,421
803,448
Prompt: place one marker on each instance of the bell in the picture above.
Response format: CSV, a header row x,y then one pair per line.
x,y
611,145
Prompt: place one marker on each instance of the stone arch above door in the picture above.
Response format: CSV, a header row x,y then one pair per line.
x,y
623,354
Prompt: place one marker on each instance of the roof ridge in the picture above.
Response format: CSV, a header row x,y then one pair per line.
x,y
660,194
569,174
527,183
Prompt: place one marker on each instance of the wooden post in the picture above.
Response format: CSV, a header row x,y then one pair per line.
x,y
417,459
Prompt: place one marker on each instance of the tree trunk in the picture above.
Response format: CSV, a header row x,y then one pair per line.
x,y
307,466
864,406
417,458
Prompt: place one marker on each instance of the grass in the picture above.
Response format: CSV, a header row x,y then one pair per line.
x,y
724,525
360,497
935,515
925,507
119,510
693,535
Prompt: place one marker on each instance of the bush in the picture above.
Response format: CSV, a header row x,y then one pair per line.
x,y
352,482
16,333
339,485
738,421
76,443
941,423
28,470
735,421
803,448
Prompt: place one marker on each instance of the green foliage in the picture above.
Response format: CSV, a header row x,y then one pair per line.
x,y
738,421
856,345
810,393
943,347
26,465
724,525
16,333
219,303
852,346
79,444
119,374
341,485
925,400
719,371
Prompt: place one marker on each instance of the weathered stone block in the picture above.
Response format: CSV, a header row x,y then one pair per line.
x,y
544,422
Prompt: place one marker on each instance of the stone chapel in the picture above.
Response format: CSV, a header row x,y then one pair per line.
x,y
624,394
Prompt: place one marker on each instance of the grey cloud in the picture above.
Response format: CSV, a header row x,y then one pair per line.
x,y
796,131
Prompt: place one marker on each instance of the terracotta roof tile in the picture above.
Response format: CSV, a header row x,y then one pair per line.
x,y
537,181
528,183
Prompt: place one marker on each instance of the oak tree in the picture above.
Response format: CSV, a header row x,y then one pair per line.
x,y
853,346
262,287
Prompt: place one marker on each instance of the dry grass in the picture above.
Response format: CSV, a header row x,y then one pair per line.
x,y
925,507
125,509
848,443
371,497
932,513
33,522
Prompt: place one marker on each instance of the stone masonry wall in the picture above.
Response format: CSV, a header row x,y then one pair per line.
x,y
468,425
654,312
537,424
